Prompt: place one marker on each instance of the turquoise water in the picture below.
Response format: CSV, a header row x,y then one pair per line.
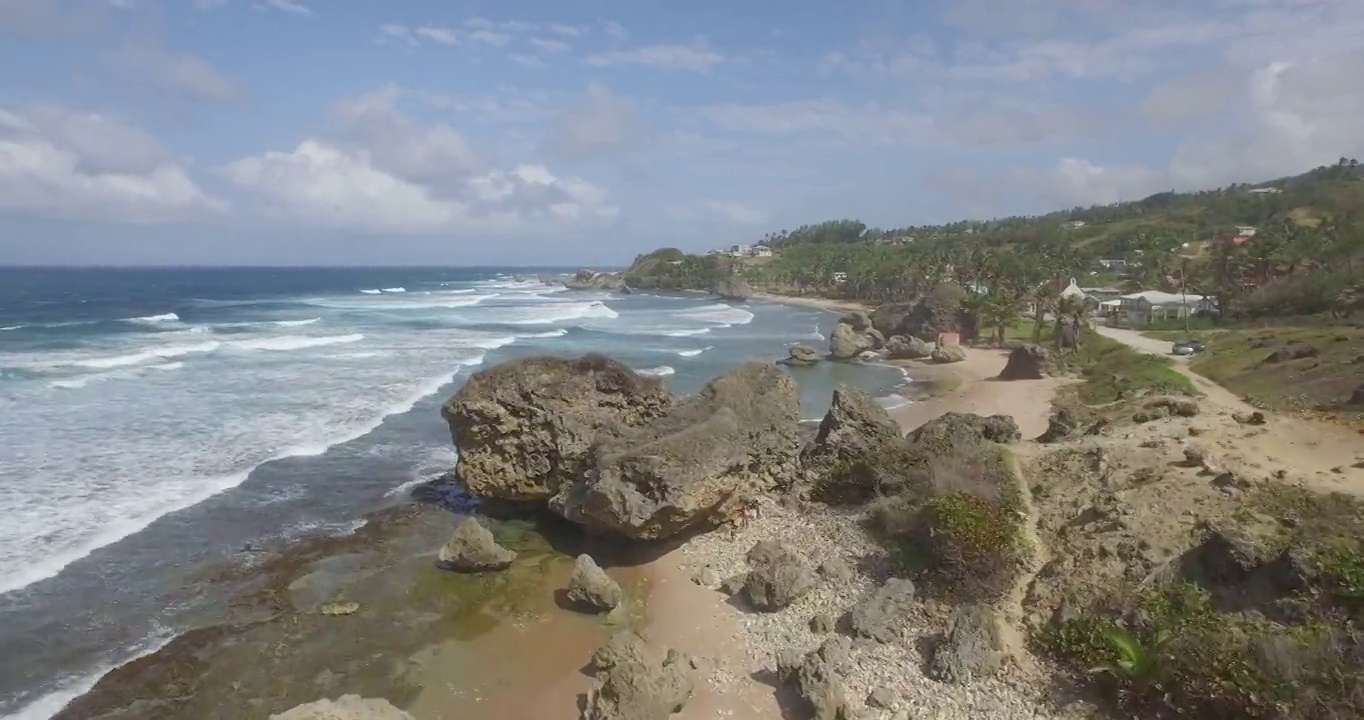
x,y
154,420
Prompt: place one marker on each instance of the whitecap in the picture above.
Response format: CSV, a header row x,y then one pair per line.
x,y
395,290
295,342
73,687
660,371
370,292
138,358
719,314
296,323
694,352
10,327
154,319
550,334
680,333
550,313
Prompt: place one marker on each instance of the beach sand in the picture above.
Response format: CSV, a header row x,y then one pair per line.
x,y
839,306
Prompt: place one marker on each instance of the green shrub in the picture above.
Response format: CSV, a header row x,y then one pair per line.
x,y
970,548
1112,372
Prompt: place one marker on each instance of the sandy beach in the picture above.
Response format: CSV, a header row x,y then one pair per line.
x,y
813,302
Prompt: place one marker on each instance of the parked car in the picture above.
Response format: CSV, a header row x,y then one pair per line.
x,y
1188,347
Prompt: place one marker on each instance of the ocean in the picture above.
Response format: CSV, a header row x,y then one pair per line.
x,y
153,421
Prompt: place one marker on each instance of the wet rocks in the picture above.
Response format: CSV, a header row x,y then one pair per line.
x,y
882,616
800,355
591,588
473,549
1028,362
526,427
346,707
694,463
972,649
777,576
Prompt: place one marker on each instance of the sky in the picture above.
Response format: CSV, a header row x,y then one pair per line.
x,y
571,132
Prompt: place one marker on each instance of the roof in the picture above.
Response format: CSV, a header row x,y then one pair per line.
x,y
1157,297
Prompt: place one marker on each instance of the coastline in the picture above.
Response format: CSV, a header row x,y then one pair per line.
x,y
838,306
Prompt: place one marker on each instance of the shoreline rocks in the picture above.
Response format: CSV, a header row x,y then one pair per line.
x,y
591,588
732,287
473,549
853,335
800,355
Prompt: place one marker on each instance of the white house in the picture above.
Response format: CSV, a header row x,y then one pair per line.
x,y
762,251
840,277
1264,191
1145,307
1245,230
1072,290
739,250
1073,224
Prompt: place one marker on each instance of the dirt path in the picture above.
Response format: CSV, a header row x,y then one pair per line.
x,y
1027,401
1321,455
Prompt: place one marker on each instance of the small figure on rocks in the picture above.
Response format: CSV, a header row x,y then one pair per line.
x,y
590,586
473,549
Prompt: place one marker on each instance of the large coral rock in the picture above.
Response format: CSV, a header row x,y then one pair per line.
x,y
526,427
948,354
591,588
907,347
637,681
739,437
473,549
346,707
732,287
846,342
777,576
800,355
858,444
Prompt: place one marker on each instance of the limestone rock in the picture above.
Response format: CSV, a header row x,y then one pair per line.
x,y
948,354
801,355
853,453
591,587
907,347
777,576
816,678
882,616
639,682
473,549
696,462
526,427
592,280
972,649
846,342
346,707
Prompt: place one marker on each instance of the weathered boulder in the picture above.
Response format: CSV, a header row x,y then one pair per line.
x,y
639,682
816,678
692,465
590,587
593,280
777,576
952,427
732,287
891,318
1173,405
346,707
972,649
907,347
526,426
474,549
846,342
623,647
1028,362
800,355
1357,397
852,450
948,354
1292,351
883,616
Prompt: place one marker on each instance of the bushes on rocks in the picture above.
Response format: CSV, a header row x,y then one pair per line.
x,y
941,309
526,427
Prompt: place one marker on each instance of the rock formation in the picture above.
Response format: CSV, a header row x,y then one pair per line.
x,y
732,287
591,588
972,649
816,678
881,617
855,451
853,335
1028,362
694,463
525,427
907,347
473,549
346,707
777,576
593,280
940,310
948,354
800,355
636,681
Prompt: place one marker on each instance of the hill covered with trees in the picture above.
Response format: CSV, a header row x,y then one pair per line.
x,y
1307,248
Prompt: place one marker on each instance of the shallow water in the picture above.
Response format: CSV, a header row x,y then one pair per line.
x,y
157,420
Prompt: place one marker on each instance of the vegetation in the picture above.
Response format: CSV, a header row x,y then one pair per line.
x,y
1113,371
672,269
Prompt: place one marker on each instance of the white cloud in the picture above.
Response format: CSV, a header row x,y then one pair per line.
x,y
289,6
565,30
438,34
490,37
553,46
602,122
387,172
736,212
56,163
526,60
180,73
614,30
698,57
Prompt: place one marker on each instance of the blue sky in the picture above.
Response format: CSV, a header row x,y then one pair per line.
x,y
575,132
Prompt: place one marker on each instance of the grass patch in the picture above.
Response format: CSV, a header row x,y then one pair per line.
x,y
1183,658
1318,367
1112,372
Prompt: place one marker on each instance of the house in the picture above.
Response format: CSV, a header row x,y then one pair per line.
x,y
1247,230
762,251
1264,191
1074,224
739,250
840,277
1072,290
1113,264
1143,308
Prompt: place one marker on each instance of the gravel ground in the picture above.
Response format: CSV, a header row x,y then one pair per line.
x,y
823,534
